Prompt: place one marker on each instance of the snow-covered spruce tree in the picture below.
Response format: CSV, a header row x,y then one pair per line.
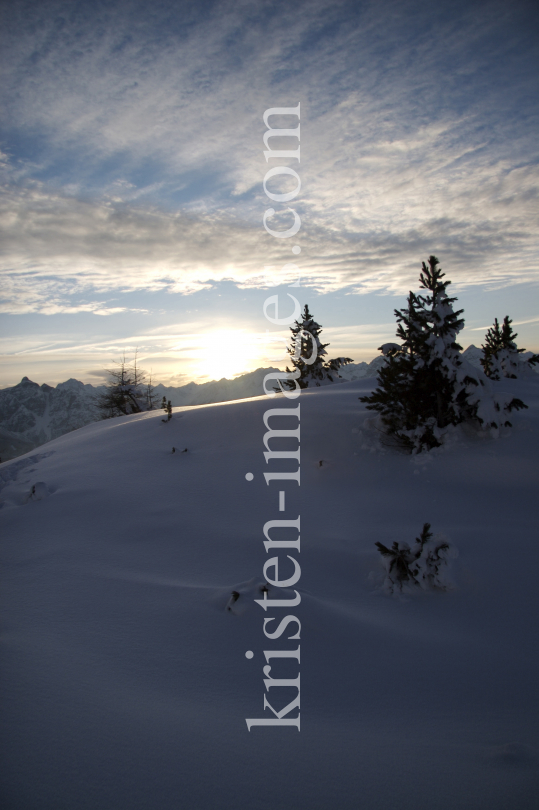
x,y
423,565
399,397
427,386
308,355
501,354
125,392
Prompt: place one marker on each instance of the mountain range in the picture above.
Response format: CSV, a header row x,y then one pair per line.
x,y
32,414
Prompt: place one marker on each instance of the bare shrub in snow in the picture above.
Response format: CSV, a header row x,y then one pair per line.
x,y
424,565
127,391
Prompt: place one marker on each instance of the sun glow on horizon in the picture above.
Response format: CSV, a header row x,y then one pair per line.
x,y
229,353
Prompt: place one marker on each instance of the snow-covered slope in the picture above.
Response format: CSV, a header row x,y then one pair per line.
x,y
473,355
246,385
32,414
124,677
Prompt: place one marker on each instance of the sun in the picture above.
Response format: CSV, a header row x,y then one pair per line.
x,y
227,354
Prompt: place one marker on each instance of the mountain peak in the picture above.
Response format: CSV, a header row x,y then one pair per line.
x,y
71,383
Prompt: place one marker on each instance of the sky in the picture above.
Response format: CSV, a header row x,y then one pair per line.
x,y
132,177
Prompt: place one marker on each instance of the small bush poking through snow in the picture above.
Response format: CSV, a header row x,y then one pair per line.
x,y
167,407
424,566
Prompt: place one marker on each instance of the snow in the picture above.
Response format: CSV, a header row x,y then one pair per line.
x,y
125,681
385,348
31,415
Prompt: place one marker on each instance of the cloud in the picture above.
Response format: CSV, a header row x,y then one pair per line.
x,y
148,165
57,247
513,323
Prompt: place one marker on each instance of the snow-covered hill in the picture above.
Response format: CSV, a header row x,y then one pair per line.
x,y
246,385
32,414
124,677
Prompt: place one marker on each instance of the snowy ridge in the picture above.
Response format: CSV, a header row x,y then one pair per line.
x,y
125,681
358,371
242,387
32,414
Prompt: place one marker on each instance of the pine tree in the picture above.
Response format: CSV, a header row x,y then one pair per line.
x,y
307,354
500,352
427,386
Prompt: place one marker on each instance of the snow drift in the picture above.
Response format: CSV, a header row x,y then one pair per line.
x,y
124,677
